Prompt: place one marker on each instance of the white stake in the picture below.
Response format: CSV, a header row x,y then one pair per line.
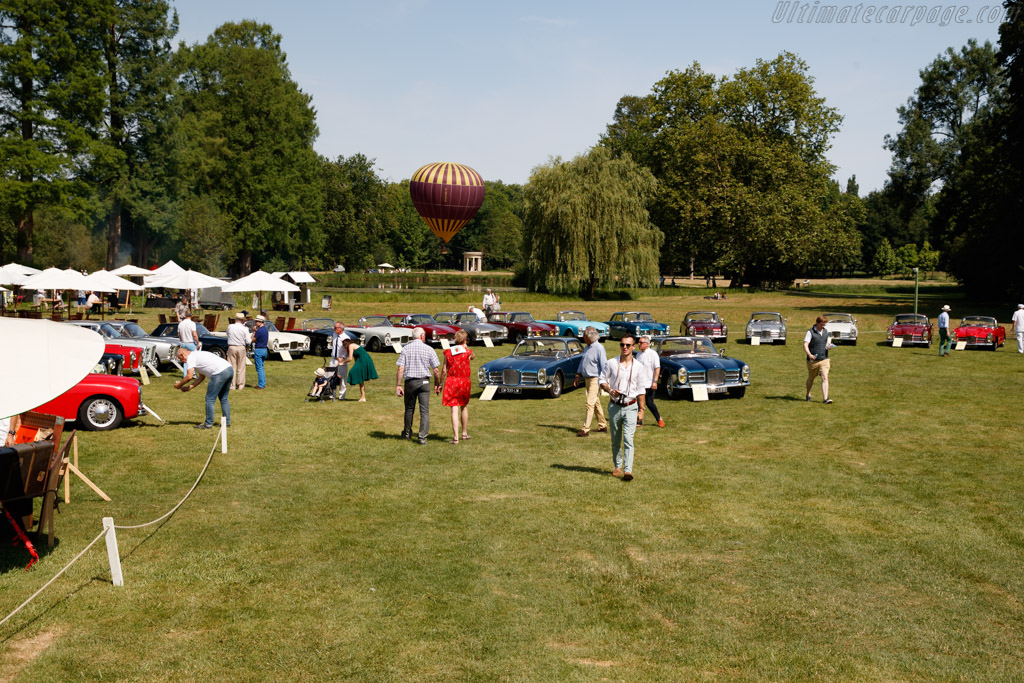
x,y
223,434
112,554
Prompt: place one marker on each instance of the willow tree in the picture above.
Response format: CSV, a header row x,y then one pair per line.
x,y
587,224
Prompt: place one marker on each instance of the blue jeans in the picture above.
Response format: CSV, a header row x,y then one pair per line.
x,y
622,420
189,345
219,386
259,357
945,341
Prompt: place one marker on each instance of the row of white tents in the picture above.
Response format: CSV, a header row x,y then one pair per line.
x,y
169,276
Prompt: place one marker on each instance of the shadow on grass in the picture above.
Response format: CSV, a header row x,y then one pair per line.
x,y
564,428
393,436
785,398
581,468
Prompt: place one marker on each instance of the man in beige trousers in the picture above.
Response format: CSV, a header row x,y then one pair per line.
x,y
238,337
592,366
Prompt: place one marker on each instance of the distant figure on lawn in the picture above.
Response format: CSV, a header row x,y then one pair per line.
x,y
416,363
816,346
456,380
1018,327
201,365
592,366
945,341
626,380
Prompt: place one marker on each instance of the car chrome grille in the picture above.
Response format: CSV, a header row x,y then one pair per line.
x,y
528,379
697,377
973,340
768,334
716,376
509,376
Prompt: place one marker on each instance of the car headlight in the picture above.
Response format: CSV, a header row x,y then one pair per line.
x,y
682,375
750,329
481,375
542,376
100,369
990,337
387,339
275,345
746,373
725,330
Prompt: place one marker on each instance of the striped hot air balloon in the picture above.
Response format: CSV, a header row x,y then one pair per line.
x,y
447,196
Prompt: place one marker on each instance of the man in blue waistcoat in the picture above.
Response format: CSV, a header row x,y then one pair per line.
x,y
816,346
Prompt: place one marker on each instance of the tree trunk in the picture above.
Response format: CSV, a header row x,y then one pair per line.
x,y
114,235
26,221
24,237
245,262
591,289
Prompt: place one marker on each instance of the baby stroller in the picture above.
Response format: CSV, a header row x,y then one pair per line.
x,y
327,394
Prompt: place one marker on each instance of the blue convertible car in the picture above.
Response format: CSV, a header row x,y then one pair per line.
x,y
687,361
538,363
634,323
572,324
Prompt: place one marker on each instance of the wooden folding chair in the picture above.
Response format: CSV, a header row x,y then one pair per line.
x,y
291,324
162,318
279,323
210,322
54,475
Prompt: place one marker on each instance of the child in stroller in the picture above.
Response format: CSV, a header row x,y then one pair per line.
x,y
323,385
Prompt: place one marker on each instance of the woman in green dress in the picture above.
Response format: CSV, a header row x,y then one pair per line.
x,y
362,369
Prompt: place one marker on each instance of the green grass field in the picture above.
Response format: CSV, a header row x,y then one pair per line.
x,y
878,538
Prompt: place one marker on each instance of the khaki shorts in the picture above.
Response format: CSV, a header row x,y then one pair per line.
x,y
818,367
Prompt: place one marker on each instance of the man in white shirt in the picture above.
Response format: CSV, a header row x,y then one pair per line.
x,y
625,380
480,315
489,301
200,365
945,341
1018,327
339,360
187,334
238,337
652,361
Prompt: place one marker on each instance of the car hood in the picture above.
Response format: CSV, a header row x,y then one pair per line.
x,y
976,330
691,364
907,328
765,325
578,324
844,327
527,364
704,324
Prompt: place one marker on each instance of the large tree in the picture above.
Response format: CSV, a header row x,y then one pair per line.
x,y
353,201
252,131
744,183
587,225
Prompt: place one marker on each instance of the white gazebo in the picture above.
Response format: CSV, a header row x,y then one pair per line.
x,y
472,261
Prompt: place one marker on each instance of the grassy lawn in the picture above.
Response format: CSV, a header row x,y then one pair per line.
x,y
878,538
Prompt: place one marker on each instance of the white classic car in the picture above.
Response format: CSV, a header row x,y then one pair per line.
x,y
376,333
277,341
842,327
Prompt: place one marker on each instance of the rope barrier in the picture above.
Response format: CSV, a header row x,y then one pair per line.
x,y
104,533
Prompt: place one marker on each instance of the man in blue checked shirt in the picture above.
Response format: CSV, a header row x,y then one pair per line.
x,y
416,363
591,368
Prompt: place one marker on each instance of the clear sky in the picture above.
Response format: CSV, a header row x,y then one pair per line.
x,y
503,86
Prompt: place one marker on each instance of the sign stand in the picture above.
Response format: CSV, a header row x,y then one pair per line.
x,y
73,468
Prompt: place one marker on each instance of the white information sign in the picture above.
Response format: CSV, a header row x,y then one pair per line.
x,y
285,354
488,393
397,346
445,345
755,341
488,343
961,345
143,374
700,392
897,342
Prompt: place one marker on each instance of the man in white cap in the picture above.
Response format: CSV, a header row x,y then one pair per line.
x,y
1018,327
945,342
187,334
238,337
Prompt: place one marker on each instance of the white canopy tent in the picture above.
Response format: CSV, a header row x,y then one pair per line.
x,y
11,276
186,279
260,281
24,270
103,278
299,277
43,359
132,271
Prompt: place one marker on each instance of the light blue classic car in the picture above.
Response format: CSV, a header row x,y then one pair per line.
x,y
688,361
572,324
535,364
634,323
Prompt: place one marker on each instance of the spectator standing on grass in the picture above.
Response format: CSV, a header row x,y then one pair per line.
x,y
187,334
626,380
416,363
363,369
480,315
489,301
455,378
238,338
945,342
652,361
339,359
201,365
1018,327
816,346
259,339
181,308
592,367
81,299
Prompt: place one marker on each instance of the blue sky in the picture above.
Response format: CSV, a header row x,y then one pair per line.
x,y
503,86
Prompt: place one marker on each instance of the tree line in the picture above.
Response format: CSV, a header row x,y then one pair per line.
x,y
119,145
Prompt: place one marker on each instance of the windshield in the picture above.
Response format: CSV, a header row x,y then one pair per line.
x,y
977,321
421,319
109,332
133,330
571,315
374,321
201,329
318,324
499,317
839,317
465,318
540,349
522,318
643,317
766,317
911,319
687,346
701,317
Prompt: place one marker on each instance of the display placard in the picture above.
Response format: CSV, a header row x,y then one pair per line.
x,y
700,392
897,342
488,393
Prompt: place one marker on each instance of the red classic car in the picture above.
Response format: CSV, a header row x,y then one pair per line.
x,y
704,324
521,325
98,402
980,331
434,330
131,355
912,328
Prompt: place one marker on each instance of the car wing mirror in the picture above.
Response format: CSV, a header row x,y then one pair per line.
x,y
721,353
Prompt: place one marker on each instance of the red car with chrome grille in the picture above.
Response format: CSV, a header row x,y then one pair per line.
x,y
980,332
912,328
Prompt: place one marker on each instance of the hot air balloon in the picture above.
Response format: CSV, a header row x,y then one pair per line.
x,y
447,196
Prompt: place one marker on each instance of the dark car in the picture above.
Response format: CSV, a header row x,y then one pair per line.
x,y
434,330
635,324
687,361
320,331
704,324
521,325
912,328
537,364
211,342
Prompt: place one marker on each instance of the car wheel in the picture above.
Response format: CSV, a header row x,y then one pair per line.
x,y
737,392
670,392
99,414
556,385
995,345
217,351
782,341
374,344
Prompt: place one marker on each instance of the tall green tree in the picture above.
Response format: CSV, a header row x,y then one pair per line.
x,y
51,97
496,230
252,132
587,224
741,162
353,201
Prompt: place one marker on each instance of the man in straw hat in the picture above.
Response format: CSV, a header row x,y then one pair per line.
x,y
945,341
260,337
238,338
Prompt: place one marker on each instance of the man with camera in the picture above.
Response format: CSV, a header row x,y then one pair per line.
x,y
625,379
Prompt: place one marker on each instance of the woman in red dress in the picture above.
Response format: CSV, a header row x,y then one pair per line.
x,y
455,380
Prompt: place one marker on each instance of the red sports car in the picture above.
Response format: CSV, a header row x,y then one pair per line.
x,y
913,328
98,402
521,325
704,324
132,355
980,331
434,330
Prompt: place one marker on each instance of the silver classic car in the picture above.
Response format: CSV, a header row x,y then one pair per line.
x,y
376,333
113,336
166,347
476,330
842,327
768,326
